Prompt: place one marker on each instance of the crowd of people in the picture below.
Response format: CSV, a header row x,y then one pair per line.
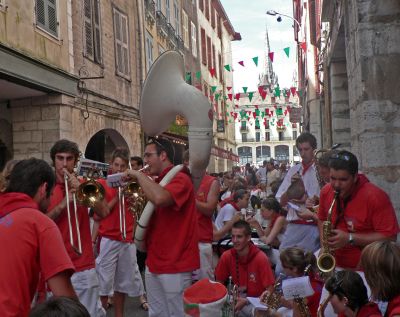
x,y
250,227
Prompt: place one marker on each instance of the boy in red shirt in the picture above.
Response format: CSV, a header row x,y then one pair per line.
x,y
249,267
31,243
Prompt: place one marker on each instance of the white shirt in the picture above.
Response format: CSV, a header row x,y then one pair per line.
x,y
273,176
262,174
225,214
310,183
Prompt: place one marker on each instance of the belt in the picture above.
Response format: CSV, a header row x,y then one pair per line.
x,y
303,222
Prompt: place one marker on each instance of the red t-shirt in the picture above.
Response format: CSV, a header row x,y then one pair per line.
x,y
204,222
86,260
172,237
393,307
367,210
255,273
30,243
110,226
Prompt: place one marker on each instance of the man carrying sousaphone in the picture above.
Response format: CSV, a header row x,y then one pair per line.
x,y
361,214
172,238
75,230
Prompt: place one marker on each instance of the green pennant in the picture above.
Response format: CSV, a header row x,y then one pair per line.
x,y
262,114
255,60
225,97
198,75
250,95
277,91
217,96
188,77
242,114
227,67
244,89
287,50
230,120
257,112
279,111
300,92
213,88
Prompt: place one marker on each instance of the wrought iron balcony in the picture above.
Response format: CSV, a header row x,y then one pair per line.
x,y
171,36
244,128
150,10
162,27
181,44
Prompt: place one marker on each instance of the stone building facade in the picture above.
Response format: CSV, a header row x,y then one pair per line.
x,y
361,110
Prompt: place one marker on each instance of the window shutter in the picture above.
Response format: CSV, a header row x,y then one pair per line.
x,y
88,28
52,16
121,43
40,14
125,55
97,31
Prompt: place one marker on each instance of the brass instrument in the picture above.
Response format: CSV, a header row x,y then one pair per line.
x,y
273,299
322,307
228,310
300,302
326,261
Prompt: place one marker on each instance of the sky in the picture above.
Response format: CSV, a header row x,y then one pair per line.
x,y
249,18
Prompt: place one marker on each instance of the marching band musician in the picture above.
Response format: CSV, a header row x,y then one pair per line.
x,y
172,235
117,257
249,267
31,243
64,155
206,202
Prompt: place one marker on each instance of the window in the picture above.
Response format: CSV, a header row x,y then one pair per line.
x,y
168,11
220,66
263,153
258,137
46,16
92,40
294,135
121,43
185,29
212,12
203,47
219,27
214,60
244,137
245,154
209,54
158,5
267,136
194,39
177,17
149,50
207,7
281,137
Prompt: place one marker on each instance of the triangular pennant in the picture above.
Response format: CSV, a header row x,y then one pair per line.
x,y
251,95
300,93
263,95
254,115
257,112
260,89
287,50
227,67
212,98
229,88
241,63
230,97
225,98
213,88
188,77
255,60
262,114
212,72
217,96
303,46
256,106
277,91
198,75
237,96
279,111
271,56
293,90
244,89
237,106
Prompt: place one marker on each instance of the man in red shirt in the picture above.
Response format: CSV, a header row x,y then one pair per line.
x,y
64,155
172,234
249,268
206,201
31,243
116,264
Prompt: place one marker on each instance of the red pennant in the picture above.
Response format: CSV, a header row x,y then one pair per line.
x,y
293,90
260,90
275,106
237,96
285,112
271,56
303,46
256,106
241,63
229,88
212,98
271,113
235,115
230,97
263,95
267,112
237,106
212,72
288,109
254,115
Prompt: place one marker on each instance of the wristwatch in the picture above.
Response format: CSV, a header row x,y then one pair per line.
x,y
351,239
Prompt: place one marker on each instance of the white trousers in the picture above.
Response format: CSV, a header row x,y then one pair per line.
x,y
165,293
206,263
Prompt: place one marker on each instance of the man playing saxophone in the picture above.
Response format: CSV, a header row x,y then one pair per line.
x,y
361,215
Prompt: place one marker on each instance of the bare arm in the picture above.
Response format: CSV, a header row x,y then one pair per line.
x,y
278,225
341,238
207,208
60,285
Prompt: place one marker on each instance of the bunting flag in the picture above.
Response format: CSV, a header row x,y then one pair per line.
x,y
212,98
262,114
198,75
229,88
212,72
257,112
230,97
300,93
260,89
188,77
271,56
244,89
287,50
277,91
279,112
227,67
293,90
256,106
237,106
303,46
213,88
254,115
241,63
225,98
217,96
251,95
255,60
263,95
237,96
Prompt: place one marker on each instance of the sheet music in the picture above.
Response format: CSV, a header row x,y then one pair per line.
x,y
115,180
255,301
297,287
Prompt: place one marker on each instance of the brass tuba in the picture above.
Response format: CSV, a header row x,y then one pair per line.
x,y
326,261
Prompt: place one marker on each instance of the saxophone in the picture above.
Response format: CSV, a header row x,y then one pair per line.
x,y
273,299
326,261
300,302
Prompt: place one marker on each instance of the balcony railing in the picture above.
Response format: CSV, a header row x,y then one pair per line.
x,y
150,7
171,35
181,44
263,140
244,129
162,27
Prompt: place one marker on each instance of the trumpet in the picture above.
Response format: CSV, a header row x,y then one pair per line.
x,y
326,261
137,201
228,310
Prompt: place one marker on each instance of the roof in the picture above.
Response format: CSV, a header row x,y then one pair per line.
x,y
227,23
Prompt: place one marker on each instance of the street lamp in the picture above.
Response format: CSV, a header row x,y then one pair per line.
x,y
279,19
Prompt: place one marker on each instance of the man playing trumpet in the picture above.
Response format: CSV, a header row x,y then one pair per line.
x,y
64,155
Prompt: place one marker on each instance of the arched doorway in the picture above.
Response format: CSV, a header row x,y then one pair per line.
x,y
282,153
103,143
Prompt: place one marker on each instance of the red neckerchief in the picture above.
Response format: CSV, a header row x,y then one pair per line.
x,y
306,167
